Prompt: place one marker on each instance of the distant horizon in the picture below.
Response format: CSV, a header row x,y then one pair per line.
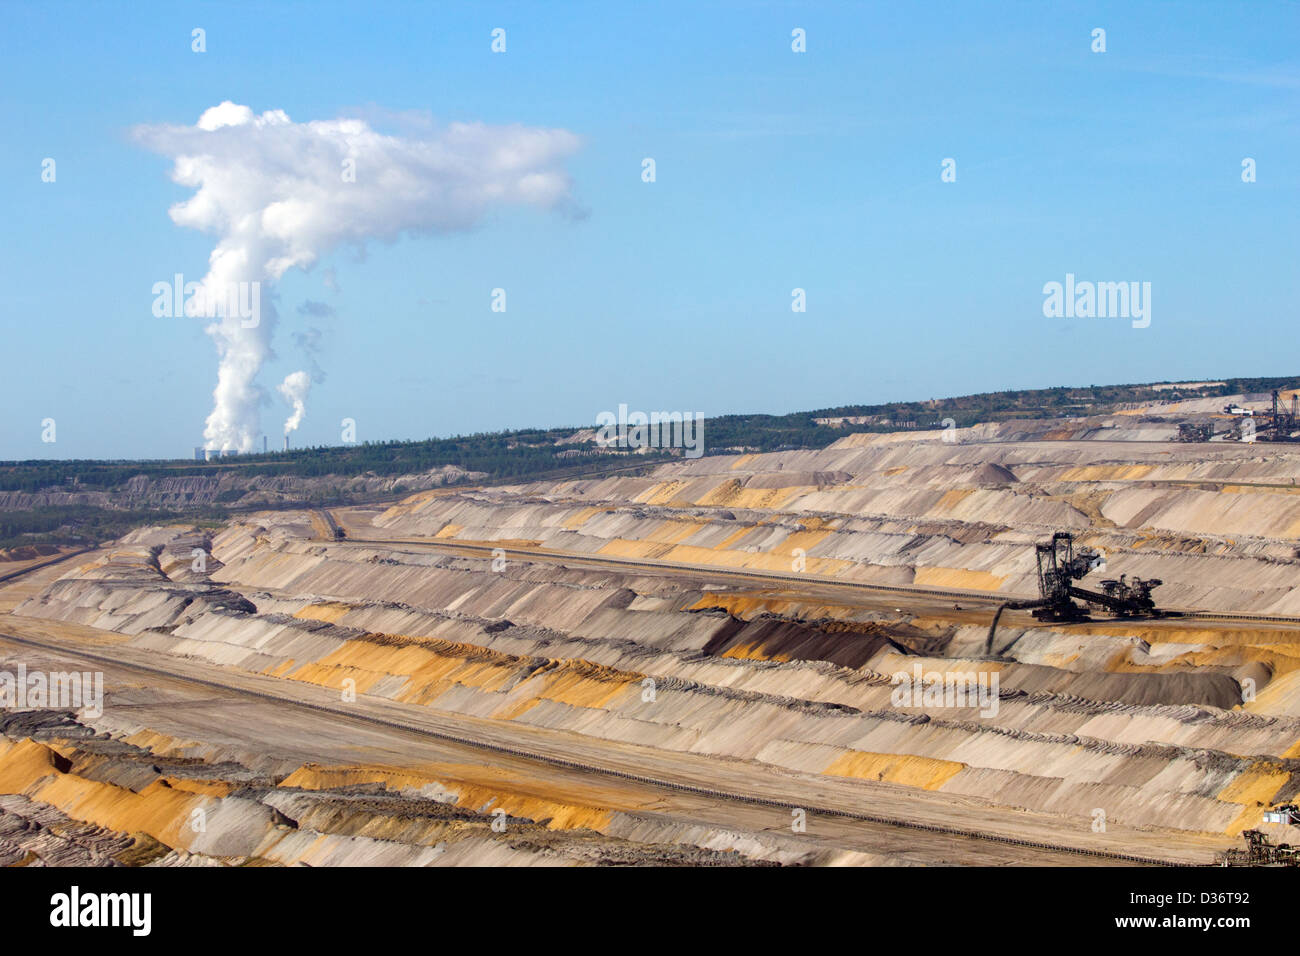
x,y
272,451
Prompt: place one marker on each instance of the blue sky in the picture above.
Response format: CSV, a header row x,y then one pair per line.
x,y
775,170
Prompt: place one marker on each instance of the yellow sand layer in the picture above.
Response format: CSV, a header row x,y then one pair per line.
x,y
927,773
767,498
1256,489
582,684
1107,473
1254,789
159,743
623,548
426,665
951,499
780,561
22,763
317,777
579,518
958,578
433,667
29,768
723,494
735,537
555,815
816,523
281,669
670,532
481,797
329,611
664,493
801,539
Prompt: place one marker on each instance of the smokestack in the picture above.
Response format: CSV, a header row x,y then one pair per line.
x,y
286,442
263,444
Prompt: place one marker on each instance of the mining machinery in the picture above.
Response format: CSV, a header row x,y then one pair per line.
x,y
1133,597
1261,851
1282,422
1279,424
1287,813
1189,431
1059,566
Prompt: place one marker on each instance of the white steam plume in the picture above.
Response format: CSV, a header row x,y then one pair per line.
x,y
279,194
294,389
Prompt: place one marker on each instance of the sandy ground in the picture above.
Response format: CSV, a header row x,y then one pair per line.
x,y
295,736
160,694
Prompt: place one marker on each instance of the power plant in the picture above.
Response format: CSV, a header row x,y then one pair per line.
x,y
207,454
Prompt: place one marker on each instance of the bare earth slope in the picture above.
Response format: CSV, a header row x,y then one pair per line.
x,y
602,660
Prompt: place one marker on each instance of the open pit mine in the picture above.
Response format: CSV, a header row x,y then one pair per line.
x,y
756,659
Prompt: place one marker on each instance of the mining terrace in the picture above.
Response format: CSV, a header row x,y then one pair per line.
x,y
694,667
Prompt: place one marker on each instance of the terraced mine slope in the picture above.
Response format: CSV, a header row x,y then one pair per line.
x,y
698,667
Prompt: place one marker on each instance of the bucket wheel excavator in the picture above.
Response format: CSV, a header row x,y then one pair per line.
x,y
1059,566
